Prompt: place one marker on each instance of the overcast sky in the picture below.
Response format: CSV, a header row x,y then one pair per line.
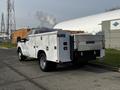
x,y
61,9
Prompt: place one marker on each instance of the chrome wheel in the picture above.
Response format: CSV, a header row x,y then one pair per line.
x,y
44,64
19,55
43,61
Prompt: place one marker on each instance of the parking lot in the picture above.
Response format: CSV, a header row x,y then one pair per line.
x,y
26,75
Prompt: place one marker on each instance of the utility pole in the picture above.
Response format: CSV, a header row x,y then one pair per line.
x,y
2,24
11,23
8,17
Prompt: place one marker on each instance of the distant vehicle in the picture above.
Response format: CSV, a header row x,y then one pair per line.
x,y
1,39
52,46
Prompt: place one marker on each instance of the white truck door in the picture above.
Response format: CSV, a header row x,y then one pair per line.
x,y
30,47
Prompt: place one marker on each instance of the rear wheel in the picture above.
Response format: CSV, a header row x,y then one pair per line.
x,y
44,64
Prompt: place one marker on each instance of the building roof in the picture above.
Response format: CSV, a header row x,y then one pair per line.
x,y
89,24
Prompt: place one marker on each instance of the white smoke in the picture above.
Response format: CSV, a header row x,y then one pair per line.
x,y
45,20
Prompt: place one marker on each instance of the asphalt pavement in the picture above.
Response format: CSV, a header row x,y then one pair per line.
x,y
26,75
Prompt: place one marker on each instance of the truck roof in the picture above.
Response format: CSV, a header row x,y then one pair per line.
x,y
42,30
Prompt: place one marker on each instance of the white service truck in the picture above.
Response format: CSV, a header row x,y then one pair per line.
x,y
52,46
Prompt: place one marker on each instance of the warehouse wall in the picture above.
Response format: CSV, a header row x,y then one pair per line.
x,y
112,35
22,33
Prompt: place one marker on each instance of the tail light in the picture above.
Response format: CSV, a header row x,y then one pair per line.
x,y
65,43
65,48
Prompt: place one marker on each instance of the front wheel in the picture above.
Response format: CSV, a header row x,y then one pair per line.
x,y
21,57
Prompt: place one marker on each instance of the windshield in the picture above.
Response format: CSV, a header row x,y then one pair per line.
x,y
31,32
40,30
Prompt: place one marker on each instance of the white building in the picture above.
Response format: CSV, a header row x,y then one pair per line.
x,y
89,24
111,29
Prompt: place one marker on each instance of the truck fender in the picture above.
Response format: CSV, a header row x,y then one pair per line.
x,y
39,52
18,49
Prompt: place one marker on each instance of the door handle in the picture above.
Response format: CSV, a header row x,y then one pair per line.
x,y
35,46
47,48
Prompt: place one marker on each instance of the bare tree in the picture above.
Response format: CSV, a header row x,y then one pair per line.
x,y
45,20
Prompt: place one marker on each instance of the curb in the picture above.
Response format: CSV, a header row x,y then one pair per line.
x,y
108,67
3,48
6,48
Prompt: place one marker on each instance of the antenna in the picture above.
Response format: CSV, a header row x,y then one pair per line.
x,y
11,23
2,24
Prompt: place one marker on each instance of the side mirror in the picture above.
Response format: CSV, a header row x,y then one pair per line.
x,y
18,39
24,40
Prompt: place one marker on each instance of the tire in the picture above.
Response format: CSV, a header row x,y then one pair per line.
x,y
44,64
21,57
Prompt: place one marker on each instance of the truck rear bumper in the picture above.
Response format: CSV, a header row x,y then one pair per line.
x,y
86,55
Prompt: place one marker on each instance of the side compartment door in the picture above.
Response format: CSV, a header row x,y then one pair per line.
x,y
64,47
52,47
